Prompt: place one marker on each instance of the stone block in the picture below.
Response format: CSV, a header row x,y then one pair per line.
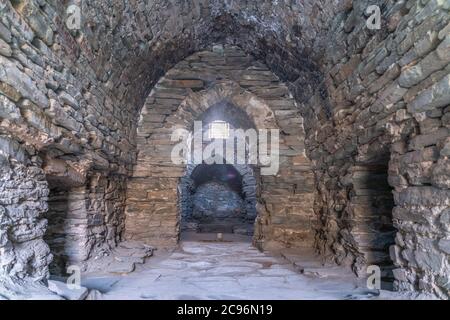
x,y
400,275
37,21
444,245
65,98
443,50
10,148
5,49
39,120
389,96
62,289
21,82
8,109
64,119
432,261
5,33
441,173
425,140
435,97
423,196
193,84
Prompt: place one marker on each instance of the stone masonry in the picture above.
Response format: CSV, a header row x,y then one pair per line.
x,y
187,91
363,114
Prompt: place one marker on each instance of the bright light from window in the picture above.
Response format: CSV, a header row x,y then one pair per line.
x,y
219,130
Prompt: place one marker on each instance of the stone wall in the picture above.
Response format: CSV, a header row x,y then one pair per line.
x,y
24,255
53,102
389,92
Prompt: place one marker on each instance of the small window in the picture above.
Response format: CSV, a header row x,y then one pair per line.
x,y
219,130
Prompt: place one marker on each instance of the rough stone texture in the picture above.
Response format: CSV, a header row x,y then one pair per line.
x,y
369,100
389,95
84,222
218,198
214,199
23,192
24,256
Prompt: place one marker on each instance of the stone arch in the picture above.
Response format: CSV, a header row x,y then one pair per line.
x,y
186,92
197,103
249,185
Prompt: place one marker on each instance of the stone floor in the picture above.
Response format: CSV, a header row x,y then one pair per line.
x,y
206,269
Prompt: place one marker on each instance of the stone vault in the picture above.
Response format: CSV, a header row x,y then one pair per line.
x,y
364,117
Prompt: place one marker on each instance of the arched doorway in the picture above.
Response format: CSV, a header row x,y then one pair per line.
x,y
218,198
287,195
219,195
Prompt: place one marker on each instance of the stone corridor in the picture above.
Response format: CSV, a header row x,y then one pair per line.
x,y
340,110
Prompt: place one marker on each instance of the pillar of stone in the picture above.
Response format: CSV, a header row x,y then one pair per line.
x,y
24,255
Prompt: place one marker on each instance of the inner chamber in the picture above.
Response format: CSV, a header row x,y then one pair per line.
x,y
217,198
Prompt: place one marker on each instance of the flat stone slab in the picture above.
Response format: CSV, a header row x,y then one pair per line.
x,y
277,272
121,267
102,284
63,290
324,272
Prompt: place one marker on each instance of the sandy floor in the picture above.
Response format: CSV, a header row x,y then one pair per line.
x,y
229,270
